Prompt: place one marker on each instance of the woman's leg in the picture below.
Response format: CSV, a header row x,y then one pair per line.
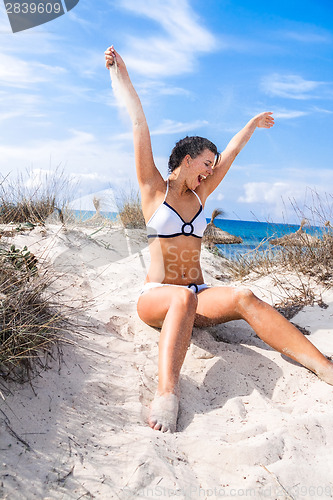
x,y
174,309
267,323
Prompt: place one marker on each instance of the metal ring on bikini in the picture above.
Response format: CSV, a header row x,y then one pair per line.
x,y
186,233
196,288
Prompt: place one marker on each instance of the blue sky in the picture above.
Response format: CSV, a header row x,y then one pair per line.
x,y
200,68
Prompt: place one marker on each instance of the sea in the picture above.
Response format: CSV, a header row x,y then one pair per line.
x,y
255,235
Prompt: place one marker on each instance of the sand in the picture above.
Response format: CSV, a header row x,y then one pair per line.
x,y
252,423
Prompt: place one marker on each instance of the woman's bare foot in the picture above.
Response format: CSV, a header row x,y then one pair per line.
x,y
164,412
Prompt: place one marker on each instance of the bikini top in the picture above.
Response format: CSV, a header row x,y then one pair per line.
x,y
167,223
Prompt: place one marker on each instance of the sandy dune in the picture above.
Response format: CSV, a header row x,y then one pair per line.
x,y
252,423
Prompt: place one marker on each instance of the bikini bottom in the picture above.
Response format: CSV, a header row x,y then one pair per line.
x,y
192,286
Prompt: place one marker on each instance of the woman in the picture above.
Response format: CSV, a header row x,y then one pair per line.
x,y
174,297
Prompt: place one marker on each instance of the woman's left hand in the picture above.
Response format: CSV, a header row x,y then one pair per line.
x,y
265,120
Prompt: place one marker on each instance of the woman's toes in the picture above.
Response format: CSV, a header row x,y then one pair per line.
x,y
164,412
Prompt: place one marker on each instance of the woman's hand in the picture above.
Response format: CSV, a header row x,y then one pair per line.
x,y
264,120
111,57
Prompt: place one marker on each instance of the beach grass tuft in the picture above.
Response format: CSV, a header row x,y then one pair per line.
x,y
304,254
129,209
315,261
30,319
32,197
294,268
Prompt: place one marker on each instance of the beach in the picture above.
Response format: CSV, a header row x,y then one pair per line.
x,y
252,423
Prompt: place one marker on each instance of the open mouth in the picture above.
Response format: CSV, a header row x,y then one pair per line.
x,y
201,178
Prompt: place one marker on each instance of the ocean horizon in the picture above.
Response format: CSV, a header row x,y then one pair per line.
x,y
256,234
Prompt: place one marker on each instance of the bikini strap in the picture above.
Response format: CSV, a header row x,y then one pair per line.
x,y
197,196
166,192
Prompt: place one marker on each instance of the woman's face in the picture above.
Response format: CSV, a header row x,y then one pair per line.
x,y
200,167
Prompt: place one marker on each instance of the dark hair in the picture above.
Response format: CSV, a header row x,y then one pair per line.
x,y
192,146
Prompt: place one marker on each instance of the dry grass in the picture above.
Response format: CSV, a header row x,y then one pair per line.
x,y
129,209
30,320
313,261
295,270
24,199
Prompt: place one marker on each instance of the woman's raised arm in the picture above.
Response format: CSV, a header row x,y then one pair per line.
x,y
147,173
225,160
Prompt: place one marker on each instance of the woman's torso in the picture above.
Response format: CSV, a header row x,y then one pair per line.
x,y
174,233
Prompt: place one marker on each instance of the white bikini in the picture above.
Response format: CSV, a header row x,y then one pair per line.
x,y
167,223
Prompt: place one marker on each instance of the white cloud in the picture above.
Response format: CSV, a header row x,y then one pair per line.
x,y
316,109
306,36
177,49
167,127
172,127
285,114
177,18
17,104
84,23
37,41
160,88
96,163
292,199
289,86
289,114
36,177
15,72
274,200
270,193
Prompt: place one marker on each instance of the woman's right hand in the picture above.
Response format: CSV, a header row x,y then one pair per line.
x,y
111,55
